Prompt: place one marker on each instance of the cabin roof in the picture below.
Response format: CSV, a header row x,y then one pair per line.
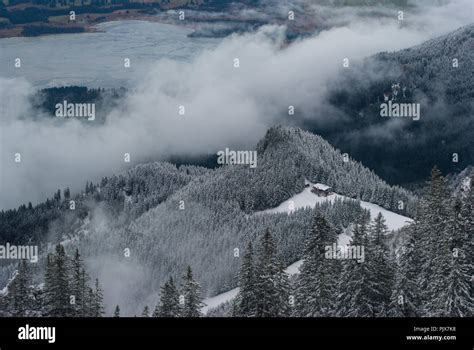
x,y
321,187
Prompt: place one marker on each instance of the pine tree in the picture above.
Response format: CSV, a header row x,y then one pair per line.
x,y
83,292
406,297
145,312
467,224
117,311
381,266
156,311
192,298
284,291
77,284
91,303
356,286
63,293
19,291
4,306
48,294
435,242
169,301
98,298
267,270
57,196
455,299
245,302
57,291
316,286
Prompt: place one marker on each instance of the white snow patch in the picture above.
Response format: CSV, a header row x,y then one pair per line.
x,y
466,184
215,301
344,239
294,268
307,199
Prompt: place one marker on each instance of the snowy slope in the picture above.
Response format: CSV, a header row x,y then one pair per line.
x,y
213,302
291,270
231,294
307,199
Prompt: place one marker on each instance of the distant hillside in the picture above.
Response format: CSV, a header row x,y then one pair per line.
x,y
460,181
143,185
402,150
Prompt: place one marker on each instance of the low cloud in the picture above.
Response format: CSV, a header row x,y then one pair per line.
x,y
224,106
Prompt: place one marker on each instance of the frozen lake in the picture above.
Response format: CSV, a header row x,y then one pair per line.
x,y
97,59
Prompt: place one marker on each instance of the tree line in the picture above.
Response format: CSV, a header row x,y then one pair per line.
x,y
175,302
429,275
65,292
